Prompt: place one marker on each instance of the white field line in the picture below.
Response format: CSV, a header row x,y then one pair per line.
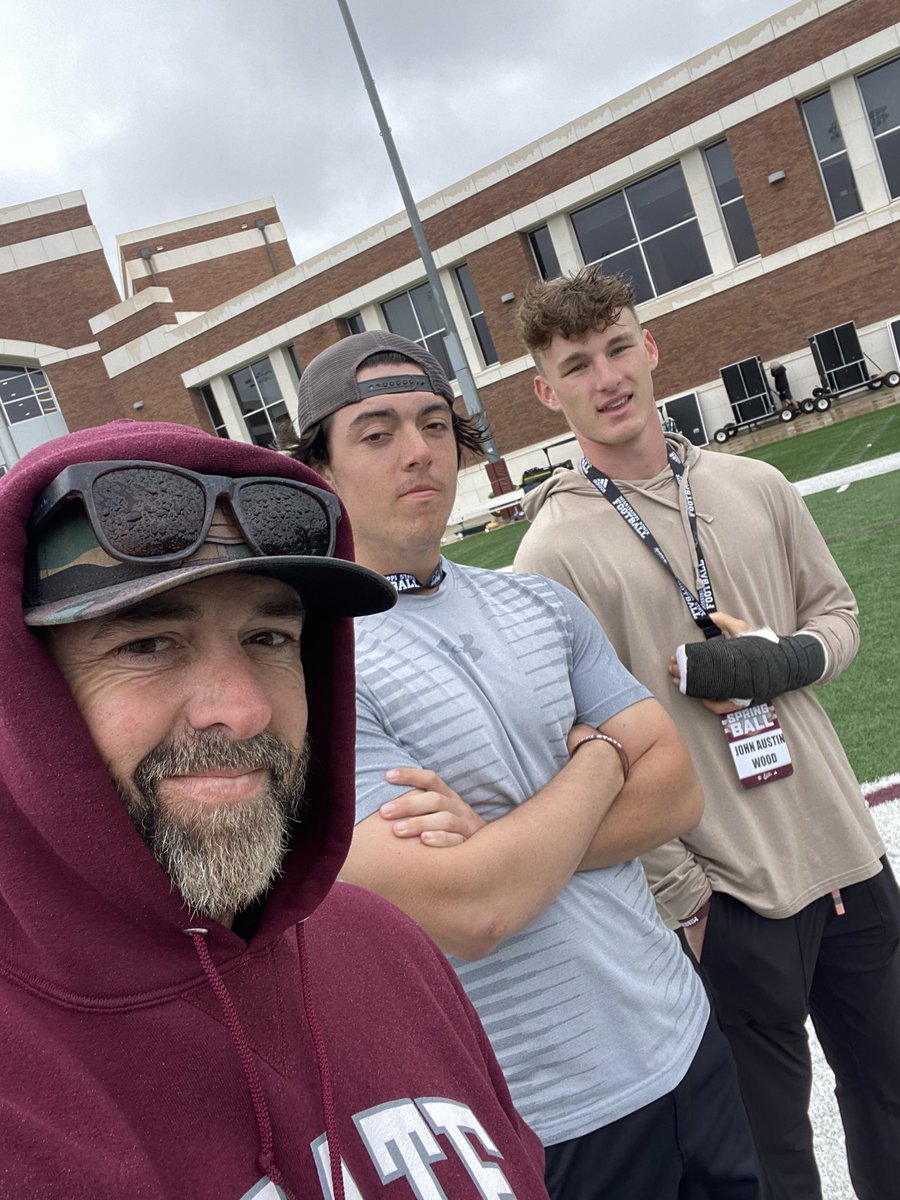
x,y
855,436
834,479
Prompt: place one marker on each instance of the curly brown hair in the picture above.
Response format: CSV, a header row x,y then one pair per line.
x,y
571,306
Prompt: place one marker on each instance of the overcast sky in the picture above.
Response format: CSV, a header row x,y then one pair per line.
x,y
160,109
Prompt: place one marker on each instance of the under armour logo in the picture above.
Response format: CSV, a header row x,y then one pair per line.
x,y
466,647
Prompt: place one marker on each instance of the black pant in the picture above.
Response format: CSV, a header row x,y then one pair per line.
x,y
766,977
692,1144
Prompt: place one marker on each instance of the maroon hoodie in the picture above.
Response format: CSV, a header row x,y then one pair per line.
x,y
139,1061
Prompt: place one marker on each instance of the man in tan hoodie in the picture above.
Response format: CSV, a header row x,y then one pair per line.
x,y
691,560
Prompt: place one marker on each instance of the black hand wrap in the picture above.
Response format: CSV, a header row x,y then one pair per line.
x,y
752,667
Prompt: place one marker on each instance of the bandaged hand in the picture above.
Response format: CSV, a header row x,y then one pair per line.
x,y
754,663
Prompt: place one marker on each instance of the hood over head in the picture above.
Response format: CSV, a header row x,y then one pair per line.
x,y
86,913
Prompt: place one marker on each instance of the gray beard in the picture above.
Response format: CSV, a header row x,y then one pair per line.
x,y
219,859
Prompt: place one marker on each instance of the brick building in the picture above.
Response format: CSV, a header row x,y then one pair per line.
x,y
752,193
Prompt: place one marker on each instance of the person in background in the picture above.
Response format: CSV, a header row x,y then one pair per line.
x,y
720,595
782,387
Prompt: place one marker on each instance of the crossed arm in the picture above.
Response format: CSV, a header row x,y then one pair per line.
x,y
502,874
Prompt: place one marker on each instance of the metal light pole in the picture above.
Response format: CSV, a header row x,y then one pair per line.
x,y
471,399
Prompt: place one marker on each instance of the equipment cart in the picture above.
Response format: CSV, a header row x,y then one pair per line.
x,y
753,401
843,365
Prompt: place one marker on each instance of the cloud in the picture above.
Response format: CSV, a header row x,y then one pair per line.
x,y
159,110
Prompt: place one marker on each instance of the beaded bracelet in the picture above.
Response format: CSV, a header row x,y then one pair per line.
x,y
603,737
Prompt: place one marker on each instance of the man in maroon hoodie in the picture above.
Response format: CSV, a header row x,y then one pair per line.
x,y
189,1008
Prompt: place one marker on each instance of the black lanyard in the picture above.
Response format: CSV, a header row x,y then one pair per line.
x,y
404,582
699,606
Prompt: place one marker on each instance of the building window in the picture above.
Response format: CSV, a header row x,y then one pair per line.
x,y
260,400
544,252
294,360
731,201
828,142
881,96
415,315
212,410
356,324
25,393
648,232
476,314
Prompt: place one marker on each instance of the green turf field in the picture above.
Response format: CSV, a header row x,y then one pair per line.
x,y
834,446
495,549
862,527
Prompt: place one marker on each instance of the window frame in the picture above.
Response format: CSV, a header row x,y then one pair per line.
x,y
537,253
893,132
41,394
478,323
820,162
640,241
265,407
213,412
425,339
723,204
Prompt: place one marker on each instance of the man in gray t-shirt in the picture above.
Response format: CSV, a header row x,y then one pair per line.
x,y
509,772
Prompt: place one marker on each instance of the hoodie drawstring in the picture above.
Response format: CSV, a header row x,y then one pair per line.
x,y
265,1159
328,1111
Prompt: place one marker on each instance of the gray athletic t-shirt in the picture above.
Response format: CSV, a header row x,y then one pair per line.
x,y
593,1009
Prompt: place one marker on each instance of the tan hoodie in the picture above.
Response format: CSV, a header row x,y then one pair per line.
x,y
775,847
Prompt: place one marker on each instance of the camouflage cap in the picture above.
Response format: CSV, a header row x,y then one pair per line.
x,y
70,577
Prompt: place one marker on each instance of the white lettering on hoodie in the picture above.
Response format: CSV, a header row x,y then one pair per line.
x,y
401,1143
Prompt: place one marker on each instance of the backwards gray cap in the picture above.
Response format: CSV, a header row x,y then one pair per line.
x,y
329,382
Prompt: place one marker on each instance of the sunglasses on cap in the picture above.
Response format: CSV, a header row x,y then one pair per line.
x,y
147,512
